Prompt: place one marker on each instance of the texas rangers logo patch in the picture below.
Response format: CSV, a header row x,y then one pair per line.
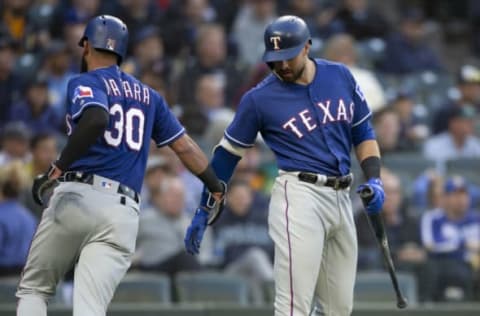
x,y
276,40
82,92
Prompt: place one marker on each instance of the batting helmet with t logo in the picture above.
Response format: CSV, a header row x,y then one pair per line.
x,y
284,38
108,33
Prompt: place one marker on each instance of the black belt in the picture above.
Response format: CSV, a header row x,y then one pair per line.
x,y
337,183
87,178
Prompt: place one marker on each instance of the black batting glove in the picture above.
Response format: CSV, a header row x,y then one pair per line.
x,y
42,183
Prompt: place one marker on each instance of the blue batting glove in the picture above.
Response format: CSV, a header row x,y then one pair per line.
x,y
195,231
375,204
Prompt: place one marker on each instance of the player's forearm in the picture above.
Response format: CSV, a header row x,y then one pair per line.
x,y
368,154
91,125
195,160
190,154
367,148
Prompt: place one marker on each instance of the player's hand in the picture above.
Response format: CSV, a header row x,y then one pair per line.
x,y
194,235
215,204
375,204
44,182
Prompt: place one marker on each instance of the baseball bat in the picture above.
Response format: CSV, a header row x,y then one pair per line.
x,y
376,224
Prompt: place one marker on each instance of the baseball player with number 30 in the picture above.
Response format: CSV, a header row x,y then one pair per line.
x,y
310,112
92,218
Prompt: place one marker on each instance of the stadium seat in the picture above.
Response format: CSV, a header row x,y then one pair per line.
x,y
409,163
211,287
143,288
465,167
376,287
8,287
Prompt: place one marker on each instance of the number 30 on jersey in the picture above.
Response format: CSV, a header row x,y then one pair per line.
x,y
127,126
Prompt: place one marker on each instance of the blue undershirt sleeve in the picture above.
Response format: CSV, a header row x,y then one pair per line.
x,y
362,132
223,163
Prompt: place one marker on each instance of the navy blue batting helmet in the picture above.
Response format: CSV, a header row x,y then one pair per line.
x,y
108,33
284,38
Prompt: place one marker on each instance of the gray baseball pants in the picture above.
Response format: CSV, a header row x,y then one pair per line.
x,y
91,227
315,240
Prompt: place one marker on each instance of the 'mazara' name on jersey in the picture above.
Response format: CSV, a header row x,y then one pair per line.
x,y
131,90
306,118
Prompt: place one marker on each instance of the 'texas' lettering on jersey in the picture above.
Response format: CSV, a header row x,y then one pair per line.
x,y
309,120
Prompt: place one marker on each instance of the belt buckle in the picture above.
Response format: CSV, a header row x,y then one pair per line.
x,y
336,184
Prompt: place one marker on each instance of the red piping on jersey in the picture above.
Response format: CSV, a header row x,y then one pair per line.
x,y
289,252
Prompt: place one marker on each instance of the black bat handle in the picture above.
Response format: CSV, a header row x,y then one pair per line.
x,y
366,194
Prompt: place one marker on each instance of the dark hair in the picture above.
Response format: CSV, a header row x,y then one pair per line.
x,y
37,139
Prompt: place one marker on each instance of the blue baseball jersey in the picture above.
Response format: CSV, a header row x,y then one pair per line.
x,y
137,115
447,238
309,127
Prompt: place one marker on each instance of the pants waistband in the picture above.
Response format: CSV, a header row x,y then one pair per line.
x,y
337,183
105,183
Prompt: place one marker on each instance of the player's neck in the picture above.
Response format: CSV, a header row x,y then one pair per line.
x,y
308,73
101,62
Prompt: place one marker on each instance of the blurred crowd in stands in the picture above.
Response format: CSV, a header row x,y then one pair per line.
x,y
416,61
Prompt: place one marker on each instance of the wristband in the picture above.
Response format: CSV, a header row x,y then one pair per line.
x,y
371,167
210,180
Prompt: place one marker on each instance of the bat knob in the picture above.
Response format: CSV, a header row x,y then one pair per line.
x,y
402,303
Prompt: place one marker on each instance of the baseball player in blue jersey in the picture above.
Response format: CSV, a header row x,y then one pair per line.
x,y
310,112
92,218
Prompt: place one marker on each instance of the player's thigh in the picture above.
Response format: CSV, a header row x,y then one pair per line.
x,y
336,280
56,244
298,233
104,261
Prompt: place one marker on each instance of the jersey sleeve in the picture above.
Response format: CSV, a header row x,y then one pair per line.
x,y
361,110
362,129
243,130
86,91
166,128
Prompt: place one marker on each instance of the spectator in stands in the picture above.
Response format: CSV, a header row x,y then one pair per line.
x,y
241,237
305,9
451,235
14,17
406,50
83,9
402,231
458,141
182,23
156,171
148,54
157,83
361,21
387,126
413,129
36,111
44,150
17,224
211,58
9,82
56,69
341,48
468,86
427,191
73,30
138,14
248,28
15,143
208,107
210,96
160,236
